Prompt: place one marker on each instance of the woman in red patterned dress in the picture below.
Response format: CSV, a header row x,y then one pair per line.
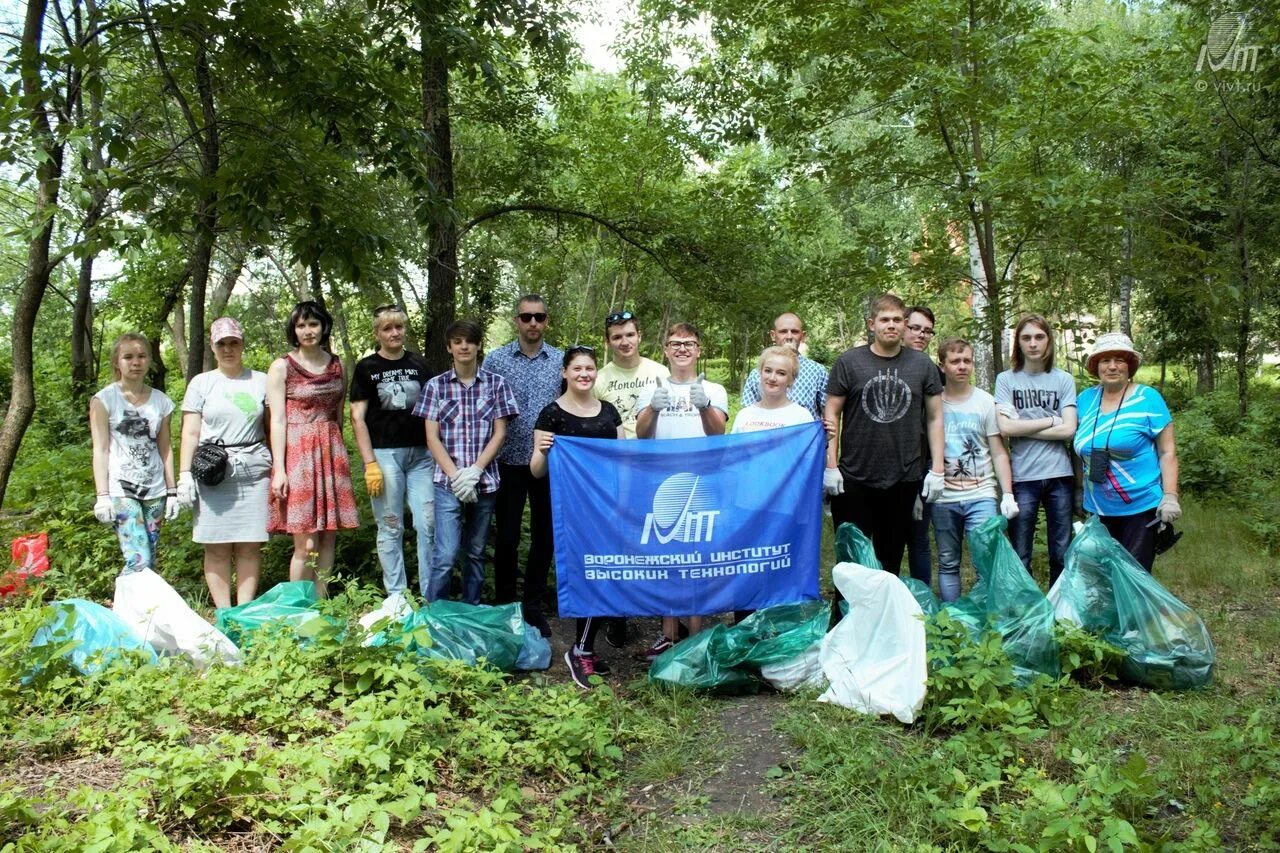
x,y
311,495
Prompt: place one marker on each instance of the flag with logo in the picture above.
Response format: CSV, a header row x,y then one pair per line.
x,y
675,527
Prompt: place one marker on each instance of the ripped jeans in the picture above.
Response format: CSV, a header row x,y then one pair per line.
x,y
406,475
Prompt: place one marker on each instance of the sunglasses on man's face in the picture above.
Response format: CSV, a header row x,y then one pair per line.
x,y
532,317
618,317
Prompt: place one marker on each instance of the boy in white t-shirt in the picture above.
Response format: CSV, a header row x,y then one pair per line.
x,y
687,406
974,459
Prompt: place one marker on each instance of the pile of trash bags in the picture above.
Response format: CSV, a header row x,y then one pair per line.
x,y
1106,592
874,660
150,617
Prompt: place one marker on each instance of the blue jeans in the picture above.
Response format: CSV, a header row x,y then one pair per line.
x,y
406,473
1055,496
950,524
457,523
919,554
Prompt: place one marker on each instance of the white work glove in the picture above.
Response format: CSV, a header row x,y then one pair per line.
x,y
933,485
917,511
832,482
661,398
464,478
698,394
1009,507
1008,410
186,490
1169,509
102,510
172,507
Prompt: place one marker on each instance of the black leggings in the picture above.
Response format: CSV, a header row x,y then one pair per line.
x,y
585,630
1136,533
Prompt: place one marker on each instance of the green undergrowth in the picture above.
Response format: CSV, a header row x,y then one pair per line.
x,y
322,746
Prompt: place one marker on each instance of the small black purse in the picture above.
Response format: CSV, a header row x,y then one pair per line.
x,y
209,464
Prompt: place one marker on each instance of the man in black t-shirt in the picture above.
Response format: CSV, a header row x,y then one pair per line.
x,y
393,445
877,397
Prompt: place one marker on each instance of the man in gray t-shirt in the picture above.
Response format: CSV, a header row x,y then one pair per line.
x,y
877,397
1036,411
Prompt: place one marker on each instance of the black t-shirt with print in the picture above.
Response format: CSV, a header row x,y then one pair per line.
x,y
883,410
391,387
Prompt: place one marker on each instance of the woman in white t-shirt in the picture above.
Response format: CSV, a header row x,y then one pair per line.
x,y
132,455
778,369
228,405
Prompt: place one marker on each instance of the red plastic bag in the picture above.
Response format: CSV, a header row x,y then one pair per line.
x,y
30,559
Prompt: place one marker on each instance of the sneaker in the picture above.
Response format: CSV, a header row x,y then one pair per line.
x,y
601,666
659,646
615,632
581,668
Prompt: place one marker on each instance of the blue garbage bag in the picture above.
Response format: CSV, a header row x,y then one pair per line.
x,y
99,634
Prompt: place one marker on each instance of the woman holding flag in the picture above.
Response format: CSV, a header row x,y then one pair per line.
x,y
578,413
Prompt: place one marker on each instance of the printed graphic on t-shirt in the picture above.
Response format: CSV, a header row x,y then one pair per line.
x,y
1033,403
886,398
245,402
397,390
968,461
137,471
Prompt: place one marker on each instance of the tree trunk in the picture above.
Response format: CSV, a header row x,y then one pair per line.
x,y
1205,364
1246,294
83,363
1126,279
442,229
983,351
206,215
35,281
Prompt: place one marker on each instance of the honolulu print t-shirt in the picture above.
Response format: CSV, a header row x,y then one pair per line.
x,y
391,387
134,467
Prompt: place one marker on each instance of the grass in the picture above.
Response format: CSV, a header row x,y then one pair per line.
x,y
1187,771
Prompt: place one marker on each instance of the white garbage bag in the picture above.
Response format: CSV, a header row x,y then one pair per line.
x,y
803,672
394,607
875,658
156,611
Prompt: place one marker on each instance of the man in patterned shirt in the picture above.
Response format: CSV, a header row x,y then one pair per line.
x,y
466,410
810,387
531,368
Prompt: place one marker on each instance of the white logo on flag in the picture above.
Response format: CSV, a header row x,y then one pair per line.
x,y
682,511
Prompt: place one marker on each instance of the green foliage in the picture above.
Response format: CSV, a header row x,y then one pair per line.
x,y
331,744
1232,459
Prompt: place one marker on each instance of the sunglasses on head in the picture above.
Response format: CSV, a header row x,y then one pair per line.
x,y
532,316
577,348
618,317
383,309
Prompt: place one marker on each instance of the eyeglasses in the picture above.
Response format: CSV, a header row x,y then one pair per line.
x,y
577,348
533,317
927,331
618,317
383,309
683,345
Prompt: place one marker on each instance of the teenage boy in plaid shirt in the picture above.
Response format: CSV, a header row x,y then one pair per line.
x,y
466,410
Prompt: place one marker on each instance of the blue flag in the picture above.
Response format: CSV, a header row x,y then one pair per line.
x,y
683,526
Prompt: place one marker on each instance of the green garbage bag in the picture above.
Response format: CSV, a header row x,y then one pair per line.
x,y
94,636
1105,591
705,661
293,602
779,633
853,546
460,631
1007,598
924,596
